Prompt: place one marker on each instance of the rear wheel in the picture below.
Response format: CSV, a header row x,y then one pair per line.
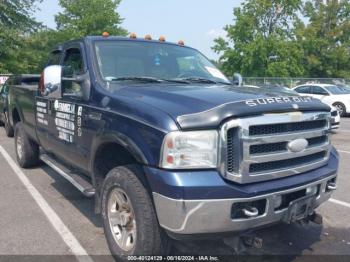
x,y
129,219
27,151
8,128
341,108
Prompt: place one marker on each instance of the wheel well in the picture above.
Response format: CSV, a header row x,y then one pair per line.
x,y
338,103
15,117
109,156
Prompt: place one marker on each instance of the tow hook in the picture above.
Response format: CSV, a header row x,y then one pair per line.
x,y
240,243
250,211
331,186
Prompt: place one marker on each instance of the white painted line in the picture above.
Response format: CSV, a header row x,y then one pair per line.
x,y
343,151
51,215
342,203
343,131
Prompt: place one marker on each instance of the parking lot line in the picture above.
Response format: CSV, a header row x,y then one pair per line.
x,y
344,131
342,203
51,215
343,151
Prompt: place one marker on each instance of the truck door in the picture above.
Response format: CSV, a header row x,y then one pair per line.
x,y
70,138
43,111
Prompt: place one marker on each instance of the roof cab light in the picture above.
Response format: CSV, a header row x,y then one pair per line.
x,y
190,150
105,34
162,39
181,42
148,37
133,36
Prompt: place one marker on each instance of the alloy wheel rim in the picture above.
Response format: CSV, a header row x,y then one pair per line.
x,y
121,219
340,109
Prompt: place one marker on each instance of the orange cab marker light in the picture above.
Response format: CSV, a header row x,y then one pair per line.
x,y
105,34
162,38
181,42
148,37
133,36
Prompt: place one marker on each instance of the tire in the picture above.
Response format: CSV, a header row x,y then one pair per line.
x,y
341,108
8,128
144,235
27,151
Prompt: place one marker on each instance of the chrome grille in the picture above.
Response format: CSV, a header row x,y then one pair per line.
x,y
286,127
282,146
281,164
256,149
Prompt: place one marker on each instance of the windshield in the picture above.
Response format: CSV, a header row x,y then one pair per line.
x,y
134,60
337,90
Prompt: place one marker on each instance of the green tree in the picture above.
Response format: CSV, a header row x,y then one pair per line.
x,y
89,17
261,40
16,23
326,38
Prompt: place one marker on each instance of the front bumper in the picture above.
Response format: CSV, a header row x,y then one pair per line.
x,y
215,215
201,202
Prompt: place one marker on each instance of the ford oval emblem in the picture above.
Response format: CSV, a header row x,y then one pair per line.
x,y
297,145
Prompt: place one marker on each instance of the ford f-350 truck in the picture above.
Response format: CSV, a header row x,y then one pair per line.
x,y
168,146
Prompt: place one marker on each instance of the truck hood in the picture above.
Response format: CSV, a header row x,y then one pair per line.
x,y
199,106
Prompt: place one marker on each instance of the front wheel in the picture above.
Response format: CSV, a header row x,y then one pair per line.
x,y
341,108
129,219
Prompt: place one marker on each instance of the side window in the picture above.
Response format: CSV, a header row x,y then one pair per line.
x,y
304,90
73,65
319,91
54,58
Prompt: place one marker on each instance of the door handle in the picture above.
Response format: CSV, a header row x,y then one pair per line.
x,y
94,116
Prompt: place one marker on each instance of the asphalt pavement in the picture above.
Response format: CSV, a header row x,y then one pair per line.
x,y
43,215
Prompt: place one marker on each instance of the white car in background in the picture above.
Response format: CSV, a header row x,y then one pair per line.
x,y
335,121
331,95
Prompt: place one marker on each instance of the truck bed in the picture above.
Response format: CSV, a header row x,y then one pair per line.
x,y
22,101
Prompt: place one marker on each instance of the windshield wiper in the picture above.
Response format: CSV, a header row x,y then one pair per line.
x,y
180,81
202,80
137,78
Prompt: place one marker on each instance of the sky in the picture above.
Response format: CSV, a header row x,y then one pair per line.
x,y
197,22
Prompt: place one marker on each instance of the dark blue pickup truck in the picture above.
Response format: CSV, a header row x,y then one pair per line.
x,y
168,146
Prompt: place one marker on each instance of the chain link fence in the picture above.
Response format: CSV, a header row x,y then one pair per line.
x,y
292,82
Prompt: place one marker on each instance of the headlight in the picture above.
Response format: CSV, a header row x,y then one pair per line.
x,y
197,149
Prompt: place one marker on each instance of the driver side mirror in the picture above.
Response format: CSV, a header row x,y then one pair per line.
x,y
52,78
51,82
237,79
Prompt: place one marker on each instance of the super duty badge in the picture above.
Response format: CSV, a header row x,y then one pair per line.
x,y
278,100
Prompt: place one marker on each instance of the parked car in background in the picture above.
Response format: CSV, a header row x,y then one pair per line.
x,y
335,121
333,95
282,91
27,81
279,89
